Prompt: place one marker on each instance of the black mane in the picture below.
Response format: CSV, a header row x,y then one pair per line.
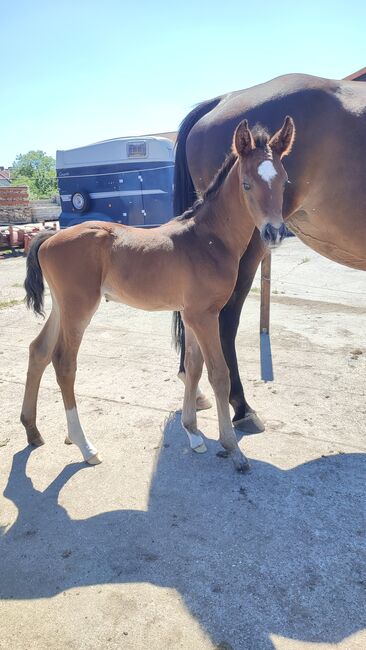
x,y
261,139
261,136
213,187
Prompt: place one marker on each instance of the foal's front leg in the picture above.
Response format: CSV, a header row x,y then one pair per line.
x,y
245,418
193,369
206,329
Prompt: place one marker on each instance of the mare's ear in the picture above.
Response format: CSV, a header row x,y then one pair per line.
x,y
282,141
243,142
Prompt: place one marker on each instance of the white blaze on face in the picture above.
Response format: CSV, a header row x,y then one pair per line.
x,y
267,171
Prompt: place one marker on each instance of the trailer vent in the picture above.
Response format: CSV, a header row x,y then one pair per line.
x,y
136,149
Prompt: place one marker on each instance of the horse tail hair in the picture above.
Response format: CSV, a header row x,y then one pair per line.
x,y
177,330
33,283
184,190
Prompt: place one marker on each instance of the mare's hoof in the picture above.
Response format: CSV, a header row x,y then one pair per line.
x,y
222,453
68,441
201,449
94,460
203,403
250,423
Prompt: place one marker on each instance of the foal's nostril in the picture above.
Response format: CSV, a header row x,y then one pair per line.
x,y
282,231
272,235
269,233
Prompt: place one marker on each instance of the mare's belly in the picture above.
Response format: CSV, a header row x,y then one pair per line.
x,y
341,240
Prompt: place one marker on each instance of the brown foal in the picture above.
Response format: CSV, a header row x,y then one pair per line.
x,y
189,264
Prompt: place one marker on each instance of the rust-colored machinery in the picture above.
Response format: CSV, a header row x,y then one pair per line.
x,y
19,237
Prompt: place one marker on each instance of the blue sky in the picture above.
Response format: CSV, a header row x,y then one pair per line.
x,y
74,72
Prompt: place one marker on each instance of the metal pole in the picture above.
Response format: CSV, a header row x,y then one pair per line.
x,y
265,293
265,341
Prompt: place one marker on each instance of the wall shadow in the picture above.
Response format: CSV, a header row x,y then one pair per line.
x,y
270,551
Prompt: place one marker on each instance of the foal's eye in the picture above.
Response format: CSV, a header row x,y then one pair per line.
x,y
246,186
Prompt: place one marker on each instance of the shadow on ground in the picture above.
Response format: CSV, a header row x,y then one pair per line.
x,y
272,551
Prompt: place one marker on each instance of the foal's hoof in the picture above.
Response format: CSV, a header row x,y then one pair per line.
x,y
222,453
34,437
203,403
250,423
68,441
241,463
37,441
196,442
201,449
94,460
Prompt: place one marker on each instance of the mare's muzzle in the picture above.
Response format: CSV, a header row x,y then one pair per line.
x,y
273,236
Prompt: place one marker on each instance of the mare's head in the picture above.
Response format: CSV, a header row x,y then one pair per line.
x,y
262,175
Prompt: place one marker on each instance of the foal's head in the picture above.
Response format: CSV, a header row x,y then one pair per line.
x,y
262,175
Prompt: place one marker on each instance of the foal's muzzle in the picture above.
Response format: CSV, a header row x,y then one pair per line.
x,y
273,236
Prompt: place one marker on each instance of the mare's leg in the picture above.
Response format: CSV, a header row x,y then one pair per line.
x,y
206,329
64,359
245,417
193,363
40,354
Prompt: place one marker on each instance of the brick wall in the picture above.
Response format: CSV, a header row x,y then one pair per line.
x,y
14,205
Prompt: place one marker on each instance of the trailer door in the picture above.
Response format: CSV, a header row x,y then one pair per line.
x,y
130,186
157,194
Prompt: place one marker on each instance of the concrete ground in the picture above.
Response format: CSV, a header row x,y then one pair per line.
x,y
158,548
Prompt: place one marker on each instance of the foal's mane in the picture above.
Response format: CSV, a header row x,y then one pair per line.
x,y
261,137
261,140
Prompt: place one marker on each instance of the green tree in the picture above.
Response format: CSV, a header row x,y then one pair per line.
x,y
38,171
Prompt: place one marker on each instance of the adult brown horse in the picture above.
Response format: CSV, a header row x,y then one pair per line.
x,y
190,264
325,202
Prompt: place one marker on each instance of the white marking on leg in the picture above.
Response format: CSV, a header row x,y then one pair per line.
x,y
196,442
266,171
77,435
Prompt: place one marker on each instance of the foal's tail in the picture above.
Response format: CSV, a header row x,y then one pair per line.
x,y
33,283
184,190
177,330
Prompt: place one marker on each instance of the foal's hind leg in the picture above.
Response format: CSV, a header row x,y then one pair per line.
x,y
64,361
202,402
193,369
206,329
40,353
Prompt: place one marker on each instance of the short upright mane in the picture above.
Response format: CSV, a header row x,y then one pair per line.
x,y
261,139
213,187
261,136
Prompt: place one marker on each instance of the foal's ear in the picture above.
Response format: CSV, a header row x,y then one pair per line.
x,y
243,142
282,141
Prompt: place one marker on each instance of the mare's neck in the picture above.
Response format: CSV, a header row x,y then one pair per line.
x,y
226,216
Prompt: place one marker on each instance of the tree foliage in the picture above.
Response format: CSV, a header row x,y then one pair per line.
x,y
38,171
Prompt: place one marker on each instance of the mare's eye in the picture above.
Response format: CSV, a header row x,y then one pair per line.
x,y
246,186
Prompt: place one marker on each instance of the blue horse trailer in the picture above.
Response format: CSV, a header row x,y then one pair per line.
x,y
126,180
